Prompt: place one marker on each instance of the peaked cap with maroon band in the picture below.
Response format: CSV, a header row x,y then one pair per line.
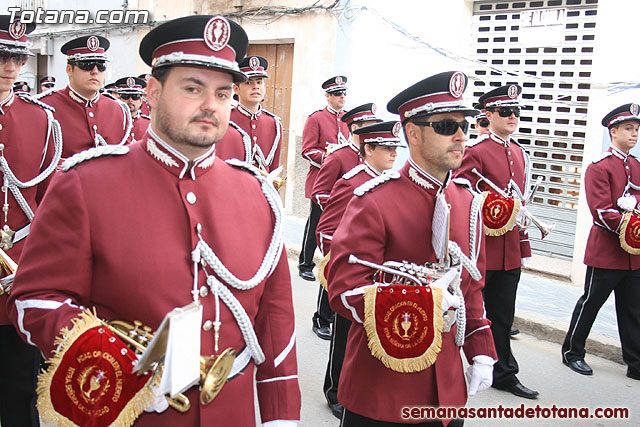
x,y
21,87
86,48
199,40
335,84
622,113
385,133
482,112
441,93
503,96
130,85
145,77
361,113
254,66
13,36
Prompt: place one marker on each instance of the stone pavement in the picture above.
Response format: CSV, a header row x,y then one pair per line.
x,y
543,305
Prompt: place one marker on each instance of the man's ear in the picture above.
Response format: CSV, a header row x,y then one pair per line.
x,y
154,90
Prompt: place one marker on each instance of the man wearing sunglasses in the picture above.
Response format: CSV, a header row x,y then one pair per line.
x,y
482,123
503,161
88,119
30,150
47,83
322,128
415,215
130,90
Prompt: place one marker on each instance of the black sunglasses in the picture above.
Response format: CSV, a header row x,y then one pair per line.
x,y
446,126
126,96
18,58
88,65
483,123
338,93
506,112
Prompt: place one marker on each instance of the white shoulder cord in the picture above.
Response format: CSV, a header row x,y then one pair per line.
x,y
128,122
258,155
203,253
14,184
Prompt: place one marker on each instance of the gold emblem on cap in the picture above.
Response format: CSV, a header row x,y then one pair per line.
x,y
131,82
338,80
93,43
456,84
254,63
17,29
396,129
634,109
217,33
373,108
512,91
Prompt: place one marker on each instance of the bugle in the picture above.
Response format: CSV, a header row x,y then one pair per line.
x,y
10,267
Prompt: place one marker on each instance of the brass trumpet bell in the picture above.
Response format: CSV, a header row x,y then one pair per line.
x,y
214,371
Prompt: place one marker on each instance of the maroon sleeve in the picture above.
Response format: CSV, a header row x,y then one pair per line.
x,y
276,157
311,148
329,174
604,209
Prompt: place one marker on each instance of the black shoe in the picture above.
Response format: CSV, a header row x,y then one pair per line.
x,y
323,332
579,366
336,410
633,375
307,275
519,390
514,331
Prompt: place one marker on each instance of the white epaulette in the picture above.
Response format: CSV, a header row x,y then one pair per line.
x,y
244,165
145,116
33,100
93,153
464,182
602,156
311,114
477,141
269,113
354,171
332,148
374,182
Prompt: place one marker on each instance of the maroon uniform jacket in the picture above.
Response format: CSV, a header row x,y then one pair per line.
x,y
499,161
82,119
265,131
392,222
28,150
235,144
321,128
334,208
605,180
140,125
339,161
145,110
127,252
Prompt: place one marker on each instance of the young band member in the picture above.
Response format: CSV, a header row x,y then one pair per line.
x,y
130,90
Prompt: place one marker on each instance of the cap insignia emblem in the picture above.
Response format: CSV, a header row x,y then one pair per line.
x,y
17,29
339,80
131,82
373,108
512,91
456,84
254,63
396,129
93,43
217,33
634,109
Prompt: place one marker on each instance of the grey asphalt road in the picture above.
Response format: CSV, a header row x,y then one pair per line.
x,y
540,369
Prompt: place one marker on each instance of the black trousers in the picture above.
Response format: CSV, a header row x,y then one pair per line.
x,y
305,261
337,349
500,303
350,419
599,283
19,367
323,316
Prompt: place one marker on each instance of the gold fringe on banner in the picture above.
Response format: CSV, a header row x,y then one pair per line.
x,y
321,266
49,416
623,234
509,225
408,365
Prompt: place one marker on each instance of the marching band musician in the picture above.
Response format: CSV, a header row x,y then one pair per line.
x,y
205,213
263,127
88,119
503,161
29,153
47,83
405,215
130,90
144,109
378,144
612,256
322,128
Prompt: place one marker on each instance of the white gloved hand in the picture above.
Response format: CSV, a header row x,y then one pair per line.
x,y
480,374
525,261
160,403
450,278
521,219
627,203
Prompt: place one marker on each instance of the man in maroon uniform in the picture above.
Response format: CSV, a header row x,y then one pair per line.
x,y
404,216
612,184
340,159
501,159
47,83
144,109
216,221
88,119
322,128
378,150
130,91
263,127
30,147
